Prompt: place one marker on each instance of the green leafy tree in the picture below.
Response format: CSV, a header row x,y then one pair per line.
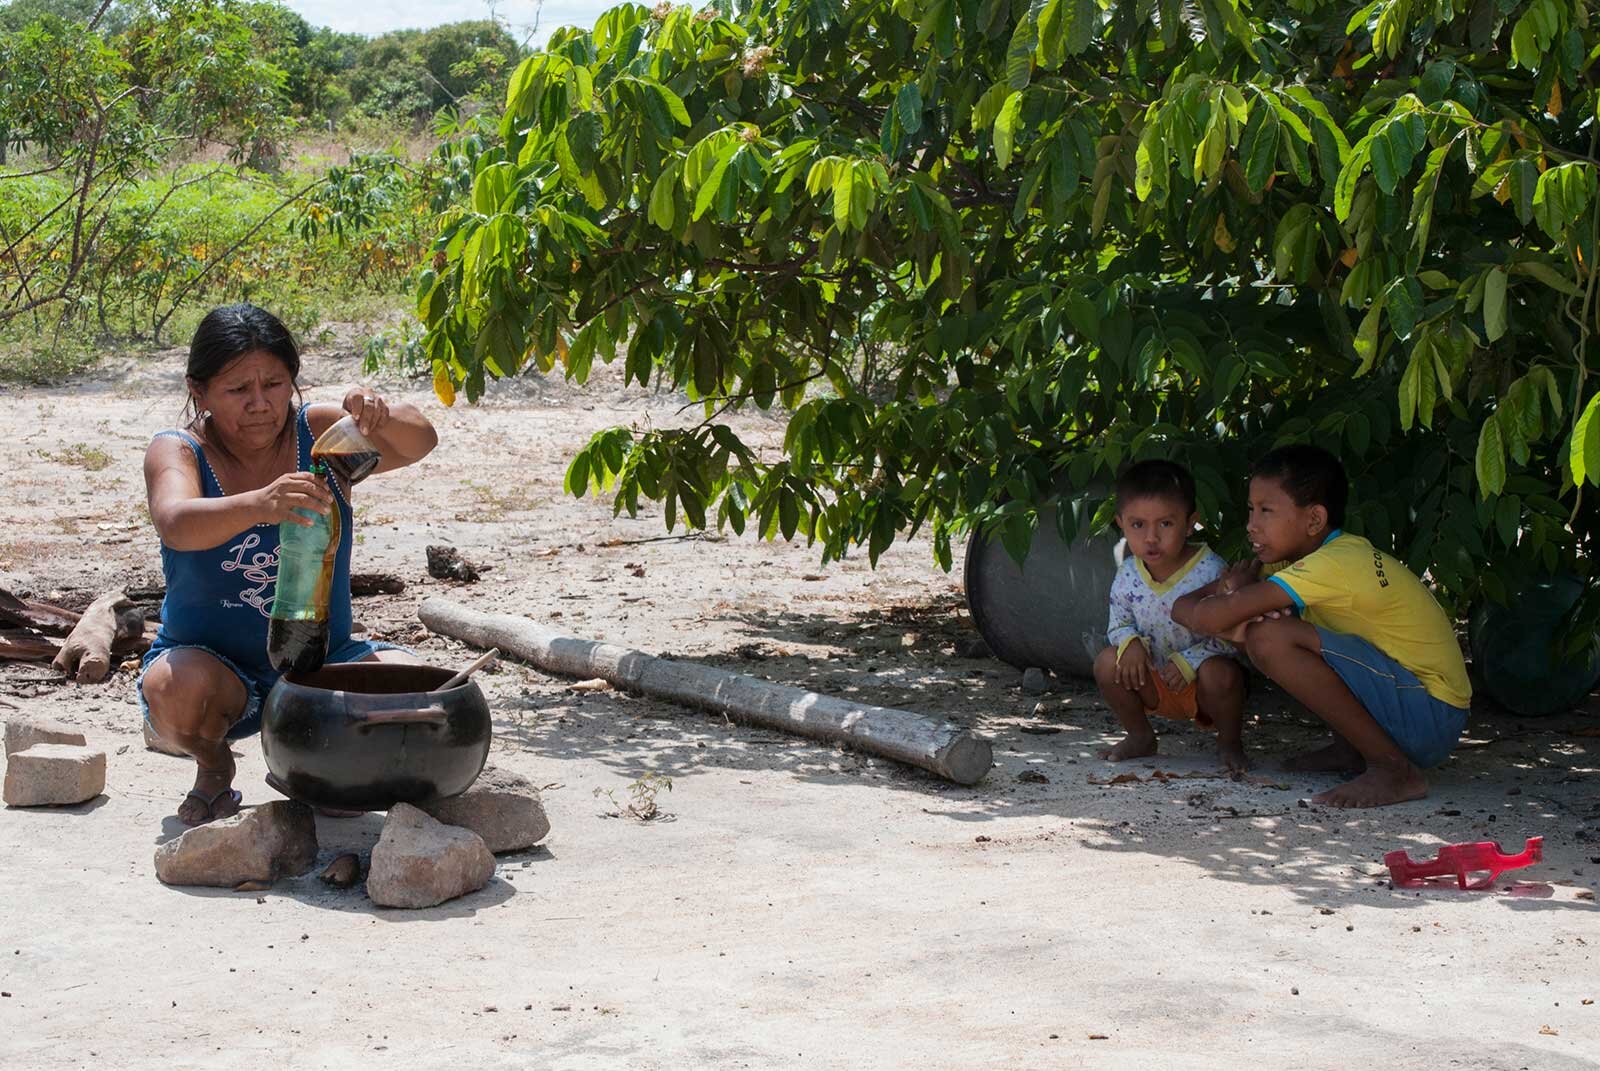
x,y
316,61
16,15
418,72
101,113
986,252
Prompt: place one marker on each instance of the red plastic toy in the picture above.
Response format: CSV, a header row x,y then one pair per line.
x,y
1464,859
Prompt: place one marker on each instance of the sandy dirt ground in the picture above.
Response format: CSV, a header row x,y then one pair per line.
x,y
795,905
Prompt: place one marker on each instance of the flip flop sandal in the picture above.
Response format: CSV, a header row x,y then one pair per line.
x,y
211,802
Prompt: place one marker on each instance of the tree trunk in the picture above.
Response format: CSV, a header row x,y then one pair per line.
x,y
948,750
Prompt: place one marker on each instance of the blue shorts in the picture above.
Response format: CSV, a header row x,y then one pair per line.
x,y
1424,727
256,685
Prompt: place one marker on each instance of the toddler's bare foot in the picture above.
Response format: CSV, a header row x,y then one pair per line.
x,y
1378,787
1133,746
1233,757
1336,757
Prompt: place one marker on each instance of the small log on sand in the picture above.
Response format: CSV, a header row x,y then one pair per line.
x,y
948,750
110,623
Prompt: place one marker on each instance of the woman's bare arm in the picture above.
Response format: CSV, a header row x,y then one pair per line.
x,y
187,520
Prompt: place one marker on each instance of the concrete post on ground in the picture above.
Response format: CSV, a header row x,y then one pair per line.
x,y
950,751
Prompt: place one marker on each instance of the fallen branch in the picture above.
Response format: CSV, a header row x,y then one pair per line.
x,y
111,625
21,645
108,621
950,751
32,614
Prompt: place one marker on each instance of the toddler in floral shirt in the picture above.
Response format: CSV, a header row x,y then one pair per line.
x,y
1152,664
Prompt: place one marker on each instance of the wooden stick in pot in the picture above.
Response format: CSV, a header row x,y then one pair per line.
x,y
461,678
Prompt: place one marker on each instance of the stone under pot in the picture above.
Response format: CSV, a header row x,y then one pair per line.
x,y
364,736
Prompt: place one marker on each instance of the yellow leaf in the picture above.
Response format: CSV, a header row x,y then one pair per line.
x,y
1221,236
1349,257
1502,192
442,385
1554,107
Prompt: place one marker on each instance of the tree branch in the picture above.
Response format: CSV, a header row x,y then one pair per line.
x,y
98,15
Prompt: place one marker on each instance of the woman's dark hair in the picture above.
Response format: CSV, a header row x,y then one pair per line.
x,y
1156,479
1310,477
231,332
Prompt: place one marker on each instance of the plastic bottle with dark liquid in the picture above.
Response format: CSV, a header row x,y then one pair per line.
x,y
297,635
297,646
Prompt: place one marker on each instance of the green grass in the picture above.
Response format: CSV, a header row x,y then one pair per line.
x,y
91,458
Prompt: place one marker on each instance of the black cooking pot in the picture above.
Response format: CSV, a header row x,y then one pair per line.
x,y
364,736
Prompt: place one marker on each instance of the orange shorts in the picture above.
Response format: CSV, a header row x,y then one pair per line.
x,y
1182,703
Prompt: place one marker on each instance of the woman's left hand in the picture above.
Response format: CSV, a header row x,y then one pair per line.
x,y
368,407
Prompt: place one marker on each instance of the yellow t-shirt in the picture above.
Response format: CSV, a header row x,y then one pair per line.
x,y
1348,585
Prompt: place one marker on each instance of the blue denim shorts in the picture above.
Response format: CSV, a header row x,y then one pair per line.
x,y
1424,727
256,685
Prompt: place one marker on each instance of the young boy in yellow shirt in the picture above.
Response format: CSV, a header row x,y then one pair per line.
x,y
1372,654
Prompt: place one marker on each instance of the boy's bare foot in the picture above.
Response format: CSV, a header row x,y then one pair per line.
x,y
1133,746
1233,757
1378,787
1336,757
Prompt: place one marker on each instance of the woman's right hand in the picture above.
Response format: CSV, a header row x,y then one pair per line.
x,y
293,491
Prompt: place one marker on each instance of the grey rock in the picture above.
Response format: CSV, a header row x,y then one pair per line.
x,y
419,862
446,563
343,872
54,775
23,733
262,843
1035,681
501,807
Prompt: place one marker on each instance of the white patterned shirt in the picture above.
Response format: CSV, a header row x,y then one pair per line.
x,y
1141,608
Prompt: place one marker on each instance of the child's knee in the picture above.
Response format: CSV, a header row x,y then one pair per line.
x,y
1267,641
1105,666
1220,676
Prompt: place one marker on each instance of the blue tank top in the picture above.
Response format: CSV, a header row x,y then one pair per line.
x,y
221,598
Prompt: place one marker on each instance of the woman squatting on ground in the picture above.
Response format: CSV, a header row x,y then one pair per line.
x,y
217,489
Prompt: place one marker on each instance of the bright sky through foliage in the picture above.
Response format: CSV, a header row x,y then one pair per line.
x,y
520,15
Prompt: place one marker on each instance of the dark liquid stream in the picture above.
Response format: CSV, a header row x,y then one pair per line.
x,y
297,646
351,467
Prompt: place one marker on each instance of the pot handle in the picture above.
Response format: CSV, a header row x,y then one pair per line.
x,y
433,715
